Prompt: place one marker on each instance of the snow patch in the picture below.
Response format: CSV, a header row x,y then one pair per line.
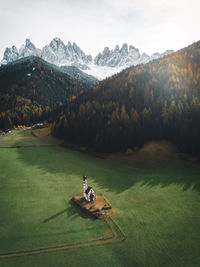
x,y
102,72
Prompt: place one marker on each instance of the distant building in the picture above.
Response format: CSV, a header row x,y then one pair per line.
x,y
38,125
88,193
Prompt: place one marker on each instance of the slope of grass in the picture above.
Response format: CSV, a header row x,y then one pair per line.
x,y
156,203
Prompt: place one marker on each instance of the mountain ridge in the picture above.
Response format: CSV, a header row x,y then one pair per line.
x,y
154,101
31,88
105,64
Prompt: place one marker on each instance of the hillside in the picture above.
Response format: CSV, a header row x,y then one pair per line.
x,y
159,100
30,88
79,75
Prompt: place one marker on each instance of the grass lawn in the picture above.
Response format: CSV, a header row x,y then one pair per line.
x,y
155,196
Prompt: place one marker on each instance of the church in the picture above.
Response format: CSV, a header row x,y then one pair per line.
x,y
88,192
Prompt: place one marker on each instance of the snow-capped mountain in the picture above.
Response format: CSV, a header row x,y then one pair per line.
x,y
105,64
125,57
109,62
12,54
60,54
28,49
118,57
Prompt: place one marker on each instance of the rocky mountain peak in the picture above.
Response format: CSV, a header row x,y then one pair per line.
x,y
116,48
60,54
106,63
28,49
14,49
124,56
124,50
10,54
56,43
28,41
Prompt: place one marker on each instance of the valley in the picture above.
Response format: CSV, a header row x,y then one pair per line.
x,y
135,135
155,195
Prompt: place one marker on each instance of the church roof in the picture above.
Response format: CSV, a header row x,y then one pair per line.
x,y
88,190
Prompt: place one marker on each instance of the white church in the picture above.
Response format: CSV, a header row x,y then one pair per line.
x,y
88,192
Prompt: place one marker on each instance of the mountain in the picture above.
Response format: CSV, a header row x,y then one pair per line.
x,y
158,100
104,64
56,52
124,57
76,73
12,54
28,49
30,89
110,62
60,54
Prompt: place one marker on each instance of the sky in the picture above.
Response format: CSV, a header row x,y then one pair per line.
x,y
150,25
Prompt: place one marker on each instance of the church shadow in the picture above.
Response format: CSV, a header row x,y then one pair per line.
x,y
72,210
55,215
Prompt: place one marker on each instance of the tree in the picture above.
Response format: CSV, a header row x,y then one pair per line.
x,y
123,115
134,116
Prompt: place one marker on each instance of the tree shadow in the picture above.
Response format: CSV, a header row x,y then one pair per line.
x,y
113,175
185,179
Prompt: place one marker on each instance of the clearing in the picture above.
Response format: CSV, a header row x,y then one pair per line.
x,y
154,193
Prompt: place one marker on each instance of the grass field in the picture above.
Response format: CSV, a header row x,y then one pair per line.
x,y
155,195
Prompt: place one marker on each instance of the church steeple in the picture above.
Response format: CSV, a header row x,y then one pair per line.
x,y
84,185
88,192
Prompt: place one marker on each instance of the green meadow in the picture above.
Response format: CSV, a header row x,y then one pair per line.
x,y
155,195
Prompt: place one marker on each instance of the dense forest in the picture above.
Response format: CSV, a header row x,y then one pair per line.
x,y
159,100
73,71
31,89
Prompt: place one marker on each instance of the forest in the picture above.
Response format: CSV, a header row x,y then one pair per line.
x,y
31,89
159,100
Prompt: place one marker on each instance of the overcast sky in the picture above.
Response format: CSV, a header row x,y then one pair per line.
x,y
150,25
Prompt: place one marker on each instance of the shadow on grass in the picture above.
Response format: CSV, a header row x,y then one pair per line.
x,y
54,216
112,175
71,211
186,180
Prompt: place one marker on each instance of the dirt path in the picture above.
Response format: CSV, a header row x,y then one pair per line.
x,y
117,235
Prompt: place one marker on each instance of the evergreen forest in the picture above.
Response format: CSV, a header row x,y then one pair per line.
x,y
158,100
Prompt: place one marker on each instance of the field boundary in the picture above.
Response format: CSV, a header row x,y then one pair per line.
x,y
118,235
27,146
